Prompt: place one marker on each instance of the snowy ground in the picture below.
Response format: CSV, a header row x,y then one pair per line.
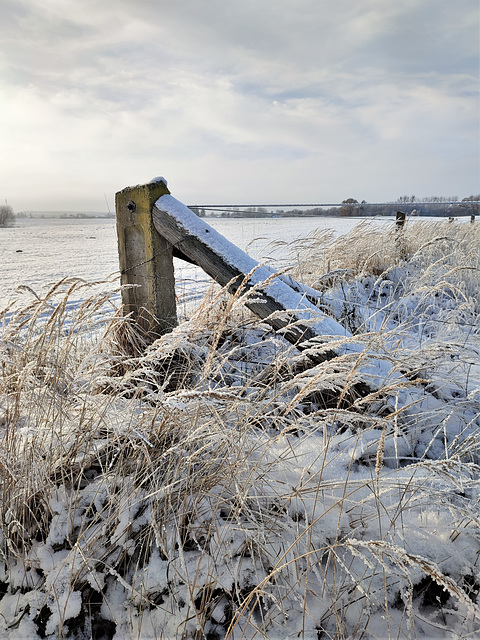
x,y
226,484
37,253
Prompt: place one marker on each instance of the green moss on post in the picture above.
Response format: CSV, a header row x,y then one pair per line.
x,y
146,260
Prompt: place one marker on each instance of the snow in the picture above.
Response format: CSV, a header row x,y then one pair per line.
x,y
325,519
158,179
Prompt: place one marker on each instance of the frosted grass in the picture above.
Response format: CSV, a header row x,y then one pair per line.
x,y
219,483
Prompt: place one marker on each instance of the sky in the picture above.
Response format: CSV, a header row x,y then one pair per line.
x,y
238,101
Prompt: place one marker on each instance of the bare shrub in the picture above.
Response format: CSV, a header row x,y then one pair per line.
x,y
7,217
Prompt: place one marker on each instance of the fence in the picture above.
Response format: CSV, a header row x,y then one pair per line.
x,y
154,228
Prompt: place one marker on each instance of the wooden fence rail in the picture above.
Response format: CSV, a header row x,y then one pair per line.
x,y
153,227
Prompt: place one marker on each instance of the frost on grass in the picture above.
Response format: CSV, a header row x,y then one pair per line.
x,y
221,483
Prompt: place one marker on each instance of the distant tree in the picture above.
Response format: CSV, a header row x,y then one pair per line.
x,y
348,208
472,204
7,217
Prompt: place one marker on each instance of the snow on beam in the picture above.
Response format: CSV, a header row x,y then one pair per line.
x,y
272,298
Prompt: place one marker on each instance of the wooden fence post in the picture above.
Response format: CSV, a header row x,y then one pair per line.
x,y
146,259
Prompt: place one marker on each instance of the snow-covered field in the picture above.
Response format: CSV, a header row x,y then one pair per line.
x,y
39,252
224,483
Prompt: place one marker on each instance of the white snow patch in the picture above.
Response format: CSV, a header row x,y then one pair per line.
x,y
158,179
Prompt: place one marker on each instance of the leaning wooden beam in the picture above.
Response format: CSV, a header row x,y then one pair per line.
x,y
272,299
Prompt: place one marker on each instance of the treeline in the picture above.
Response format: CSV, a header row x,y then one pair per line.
x,y
430,206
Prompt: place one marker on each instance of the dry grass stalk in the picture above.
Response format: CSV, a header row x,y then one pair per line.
x,y
219,484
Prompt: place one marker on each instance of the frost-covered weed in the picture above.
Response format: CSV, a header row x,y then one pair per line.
x,y
427,274
221,482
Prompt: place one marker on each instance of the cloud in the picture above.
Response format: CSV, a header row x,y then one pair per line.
x,y
315,100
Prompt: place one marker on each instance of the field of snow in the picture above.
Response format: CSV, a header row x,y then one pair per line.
x,y
222,483
39,252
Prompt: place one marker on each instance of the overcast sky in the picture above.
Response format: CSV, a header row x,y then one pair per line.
x,y
238,101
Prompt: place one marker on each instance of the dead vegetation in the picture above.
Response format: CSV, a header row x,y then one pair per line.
x,y
219,483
